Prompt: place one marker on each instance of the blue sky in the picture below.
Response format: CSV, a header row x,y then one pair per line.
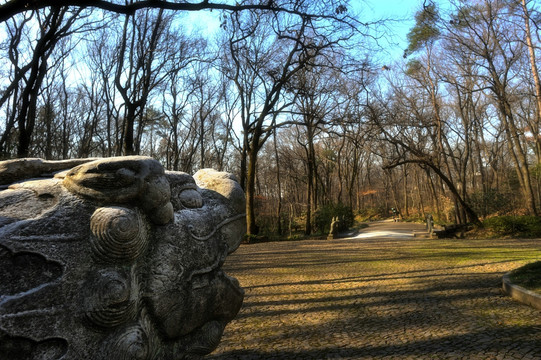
x,y
400,18
388,8
398,13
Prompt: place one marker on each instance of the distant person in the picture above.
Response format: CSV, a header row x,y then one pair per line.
x,y
396,214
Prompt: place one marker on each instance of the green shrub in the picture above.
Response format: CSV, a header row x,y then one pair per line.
x,y
490,202
416,218
370,214
253,239
528,276
523,226
324,215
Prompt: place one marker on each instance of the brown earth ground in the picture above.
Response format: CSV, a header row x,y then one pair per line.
x,y
381,295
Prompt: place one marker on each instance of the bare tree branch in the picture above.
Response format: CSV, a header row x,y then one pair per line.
x,y
13,7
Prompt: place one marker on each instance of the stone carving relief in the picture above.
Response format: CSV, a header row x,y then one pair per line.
x,y
115,259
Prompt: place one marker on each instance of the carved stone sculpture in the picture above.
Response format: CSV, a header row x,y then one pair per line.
x,y
115,259
334,228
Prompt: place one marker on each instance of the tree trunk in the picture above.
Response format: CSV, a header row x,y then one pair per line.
x,y
405,189
127,133
535,73
279,185
252,228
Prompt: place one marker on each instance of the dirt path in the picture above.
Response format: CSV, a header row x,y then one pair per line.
x,y
391,229
396,297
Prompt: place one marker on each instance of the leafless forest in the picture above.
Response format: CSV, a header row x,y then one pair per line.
x,y
302,100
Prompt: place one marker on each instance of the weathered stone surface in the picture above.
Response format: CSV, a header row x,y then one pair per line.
x,y
116,259
21,169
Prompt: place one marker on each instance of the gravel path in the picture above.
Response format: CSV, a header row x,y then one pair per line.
x,y
393,296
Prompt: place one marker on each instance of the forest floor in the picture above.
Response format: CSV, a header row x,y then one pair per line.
x,y
383,294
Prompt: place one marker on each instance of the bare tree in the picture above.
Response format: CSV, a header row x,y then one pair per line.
x,y
315,91
266,50
482,30
27,78
142,54
100,61
535,125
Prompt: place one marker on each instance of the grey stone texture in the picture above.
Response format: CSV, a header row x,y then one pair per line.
x,y
115,259
391,296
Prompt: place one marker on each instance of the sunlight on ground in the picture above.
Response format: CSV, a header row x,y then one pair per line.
x,y
385,296
382,234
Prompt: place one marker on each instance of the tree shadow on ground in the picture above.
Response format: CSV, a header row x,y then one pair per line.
x,y
483,344
431,307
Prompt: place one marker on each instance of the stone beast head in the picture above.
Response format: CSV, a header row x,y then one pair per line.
x,y
116,258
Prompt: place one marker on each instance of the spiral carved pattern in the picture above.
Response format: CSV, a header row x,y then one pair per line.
x,y
133,343
115,259
118,234
112,304
208,338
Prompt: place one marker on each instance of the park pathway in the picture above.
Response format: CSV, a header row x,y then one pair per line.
x,y
383,296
